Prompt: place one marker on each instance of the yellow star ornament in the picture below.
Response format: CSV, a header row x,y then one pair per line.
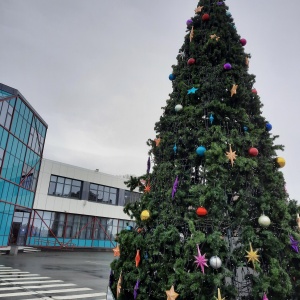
x,y
233,89
214,36
231,155
198,9
252,256
171,294
219,295
119,285
192,34
116,251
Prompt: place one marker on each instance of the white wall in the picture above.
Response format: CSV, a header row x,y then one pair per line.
x,y
43,201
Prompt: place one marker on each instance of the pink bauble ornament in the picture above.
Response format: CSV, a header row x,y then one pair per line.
x,y
191,61
253,151
254,91
243,42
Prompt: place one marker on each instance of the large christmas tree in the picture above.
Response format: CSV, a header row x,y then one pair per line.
x,y
214,220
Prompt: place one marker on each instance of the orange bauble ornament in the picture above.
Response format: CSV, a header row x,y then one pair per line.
x,y
201,211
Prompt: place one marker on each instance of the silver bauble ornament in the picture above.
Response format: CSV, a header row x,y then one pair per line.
x,y
178,107
215,262
264,221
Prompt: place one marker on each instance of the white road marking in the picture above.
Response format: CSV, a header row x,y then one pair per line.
x,y
16,275
12,272
82,296
36,286
30,282
25,278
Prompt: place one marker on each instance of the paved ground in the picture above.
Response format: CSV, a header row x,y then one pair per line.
x,y
55,275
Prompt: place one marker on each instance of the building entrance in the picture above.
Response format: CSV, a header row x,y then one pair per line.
x,y
19,227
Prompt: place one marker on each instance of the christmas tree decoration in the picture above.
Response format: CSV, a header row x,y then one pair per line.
x,y
192,90
181,54
252,256
268,127
243,42
148,165
253,151
135,290
254,91
129,228
116,251
227,66
214,36
211,118
245,128
147,188
139,230
175,149
234,89
220,3
172,77
192,34
294,244
201,261
265,297
145,215
215,262
201,151
298,221
247,61
198,9
157,142
201,211
178,107
264,221
219,295
171,294
119,285
175,186
189,22
280,162
205,17
191,61
231,155
137,258
228,13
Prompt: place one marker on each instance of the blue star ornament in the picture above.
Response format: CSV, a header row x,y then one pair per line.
x,y
192,90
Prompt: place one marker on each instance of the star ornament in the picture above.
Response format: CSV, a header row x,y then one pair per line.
x,y
214,36
192,90
171,294
157,142
116,251
201,261
198,9
192,33
231,155
219,295
294,244
147,188
119,285
252,256
233,89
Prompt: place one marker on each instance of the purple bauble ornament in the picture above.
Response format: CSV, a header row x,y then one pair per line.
x,y
227,66
189,22
243,42
220,3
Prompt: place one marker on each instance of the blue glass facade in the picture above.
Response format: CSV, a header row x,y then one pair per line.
x,y
22,137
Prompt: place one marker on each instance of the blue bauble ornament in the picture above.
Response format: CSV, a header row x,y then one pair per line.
x,y
211,118
175,149
228,14
268,127
245,128
129,228
172,77
200,150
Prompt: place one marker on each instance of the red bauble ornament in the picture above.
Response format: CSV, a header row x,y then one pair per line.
x,y
191,61
253,151
205,17
201,211
254,91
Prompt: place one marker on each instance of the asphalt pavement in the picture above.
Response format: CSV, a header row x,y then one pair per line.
x,y
78,275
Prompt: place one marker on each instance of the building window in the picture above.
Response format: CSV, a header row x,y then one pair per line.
x,y
65,187
103,194
131,197
5,114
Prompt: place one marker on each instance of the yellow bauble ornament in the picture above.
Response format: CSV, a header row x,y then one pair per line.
x,y
145,215
280,162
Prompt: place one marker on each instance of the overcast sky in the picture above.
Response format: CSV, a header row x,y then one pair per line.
x,y
97,72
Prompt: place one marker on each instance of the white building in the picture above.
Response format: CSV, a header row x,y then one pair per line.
x,y
77,207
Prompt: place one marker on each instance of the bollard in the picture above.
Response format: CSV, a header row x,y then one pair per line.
x,y
13,250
